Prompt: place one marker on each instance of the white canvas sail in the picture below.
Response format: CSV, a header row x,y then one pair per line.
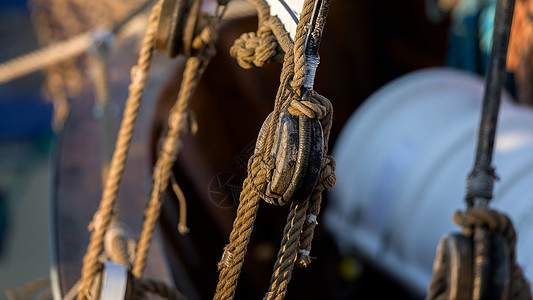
x,y
288,12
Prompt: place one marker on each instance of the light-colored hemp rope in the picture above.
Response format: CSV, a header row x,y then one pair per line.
x,y
290,245
45,57
326,181
288,251
291,81
182,224
259,165
233,258
104,214
177,125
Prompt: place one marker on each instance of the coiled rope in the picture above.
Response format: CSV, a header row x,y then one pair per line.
x,y
257,50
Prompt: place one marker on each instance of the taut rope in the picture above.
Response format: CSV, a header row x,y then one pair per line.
x,y
257,49
103,216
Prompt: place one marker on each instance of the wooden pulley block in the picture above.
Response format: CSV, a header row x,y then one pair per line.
x,y
177,26
297,149
455,257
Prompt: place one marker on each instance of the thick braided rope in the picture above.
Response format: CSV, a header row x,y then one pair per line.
x,y
299,45
290,244
177,125
269,43
326,181
258,167
233,258
103,216
288,251
300,232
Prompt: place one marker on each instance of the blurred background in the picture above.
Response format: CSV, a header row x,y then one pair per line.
x,y
26,139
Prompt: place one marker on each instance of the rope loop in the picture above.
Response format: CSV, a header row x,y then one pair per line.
x,y
309,109
327,177
256,49
311,105
496,222
259,168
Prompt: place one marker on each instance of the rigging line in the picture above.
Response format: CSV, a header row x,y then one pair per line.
x,y
53,54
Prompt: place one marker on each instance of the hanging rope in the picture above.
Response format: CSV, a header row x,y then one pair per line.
x,y
182,224
104,213
302,216
482,226
178,124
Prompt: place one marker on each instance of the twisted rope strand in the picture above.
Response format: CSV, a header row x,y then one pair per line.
x,y
288,251
178,122
231,264
299,45
103,216
293,72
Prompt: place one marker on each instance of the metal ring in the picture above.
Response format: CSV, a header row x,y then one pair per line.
x,y
114,281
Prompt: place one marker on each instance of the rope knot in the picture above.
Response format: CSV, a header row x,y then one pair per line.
x,y
184,120
496,222
256,49
327,177
311,105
